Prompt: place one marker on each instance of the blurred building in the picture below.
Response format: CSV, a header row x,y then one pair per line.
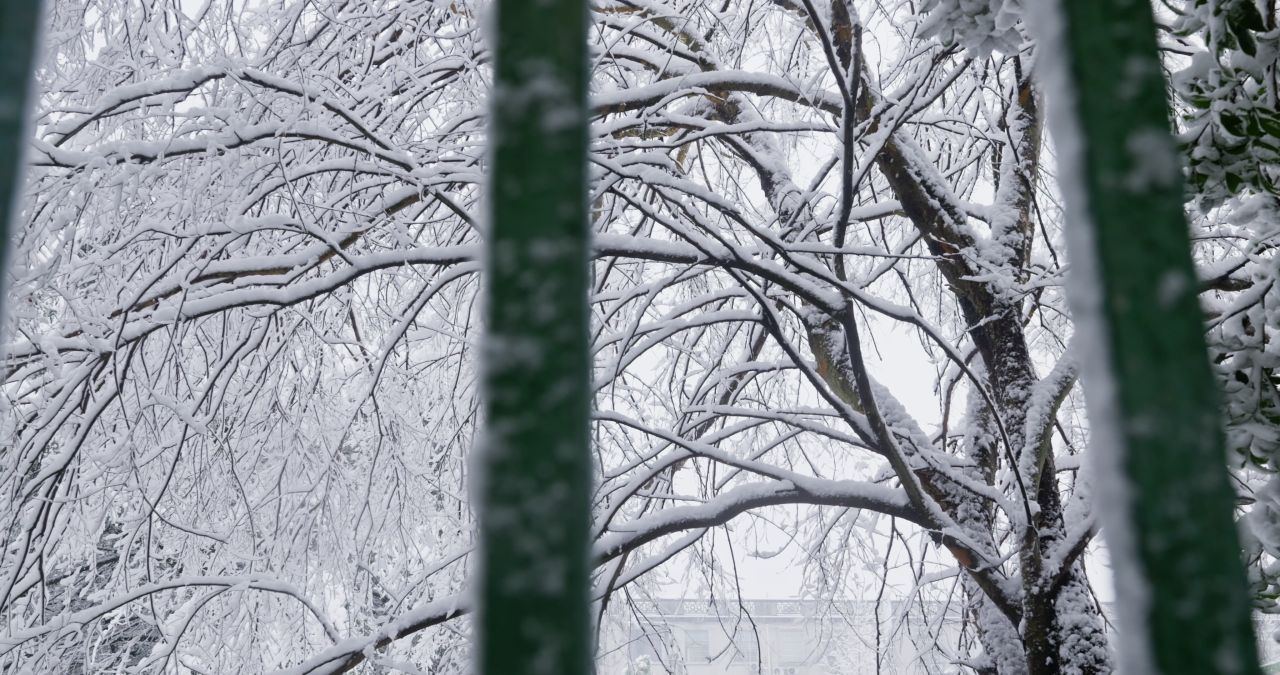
x,y
777,637
802,637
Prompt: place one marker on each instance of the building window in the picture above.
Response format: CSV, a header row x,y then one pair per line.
x,y
654,643
793,647
746,648
697,646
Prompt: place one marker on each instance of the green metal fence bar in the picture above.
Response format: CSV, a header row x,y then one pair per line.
x,y
18,39
535,470
1153,405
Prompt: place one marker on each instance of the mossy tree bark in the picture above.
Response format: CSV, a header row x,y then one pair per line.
x,y
19,36
1152,399
534,467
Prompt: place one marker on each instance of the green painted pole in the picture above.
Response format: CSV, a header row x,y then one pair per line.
x,y
1181,592
19,31
535,467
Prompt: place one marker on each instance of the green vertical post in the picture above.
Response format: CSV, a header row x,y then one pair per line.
x,y
1153,405
19,31
534,465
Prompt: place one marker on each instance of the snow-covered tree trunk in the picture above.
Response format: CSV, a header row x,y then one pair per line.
x,y
20,24
1167,501
534,465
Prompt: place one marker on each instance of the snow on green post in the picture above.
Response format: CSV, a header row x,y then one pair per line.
x,y
1153,409
18,39
534,465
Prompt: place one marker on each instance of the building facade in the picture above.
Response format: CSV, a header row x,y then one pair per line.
x,y
776,637
802,637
